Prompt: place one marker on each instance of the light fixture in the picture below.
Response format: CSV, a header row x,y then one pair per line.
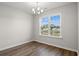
x,y
34,12
37,9
33,9
38,12
42,10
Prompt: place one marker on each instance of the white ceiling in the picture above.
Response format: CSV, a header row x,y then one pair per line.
x,y
27,6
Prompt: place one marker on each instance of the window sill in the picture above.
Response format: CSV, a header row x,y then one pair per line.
x,y
59,37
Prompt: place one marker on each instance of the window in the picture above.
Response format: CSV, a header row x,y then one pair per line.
x,y
44,26
50,26
55,25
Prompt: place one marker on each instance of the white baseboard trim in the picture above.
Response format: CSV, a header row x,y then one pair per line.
x,y
57,46
14,45
40,42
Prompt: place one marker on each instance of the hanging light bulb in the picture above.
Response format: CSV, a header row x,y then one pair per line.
x,y
42,10
38,8
33,9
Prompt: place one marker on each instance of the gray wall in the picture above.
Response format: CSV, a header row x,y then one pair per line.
x,y
68,28
15,27
78,28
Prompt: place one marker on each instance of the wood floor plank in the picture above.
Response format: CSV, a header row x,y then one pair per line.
x,y
36,49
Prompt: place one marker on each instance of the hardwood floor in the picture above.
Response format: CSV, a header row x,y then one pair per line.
x,y
36,49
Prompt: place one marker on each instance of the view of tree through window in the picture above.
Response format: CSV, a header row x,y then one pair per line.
x,y
44,26
55,25
50,25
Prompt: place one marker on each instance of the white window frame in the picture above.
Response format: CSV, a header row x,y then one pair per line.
x,y
49,25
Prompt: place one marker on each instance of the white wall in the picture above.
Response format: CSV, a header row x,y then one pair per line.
x,y
15,27
68,28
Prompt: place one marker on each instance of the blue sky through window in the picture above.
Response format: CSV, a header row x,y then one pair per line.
x,y
55,20
44,21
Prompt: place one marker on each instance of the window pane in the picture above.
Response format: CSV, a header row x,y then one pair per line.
x,y
44,26
55,25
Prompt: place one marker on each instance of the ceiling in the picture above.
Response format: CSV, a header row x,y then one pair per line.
x,y
27,6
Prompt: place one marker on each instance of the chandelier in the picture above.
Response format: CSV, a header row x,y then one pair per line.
x,y
37,9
